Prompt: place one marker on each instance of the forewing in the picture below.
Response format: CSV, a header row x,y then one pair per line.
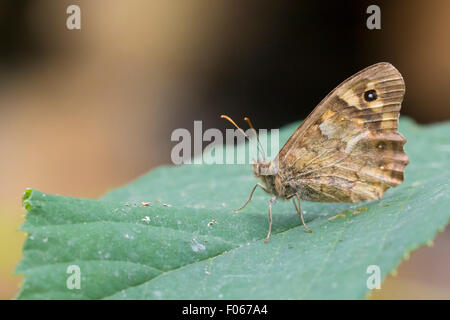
x,y
348,149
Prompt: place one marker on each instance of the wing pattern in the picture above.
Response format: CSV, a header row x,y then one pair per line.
x,y
348,149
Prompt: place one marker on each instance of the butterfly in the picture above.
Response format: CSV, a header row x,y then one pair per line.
x,y
347,150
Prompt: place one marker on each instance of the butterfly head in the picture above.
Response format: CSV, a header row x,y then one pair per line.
x,y
266,172
261,168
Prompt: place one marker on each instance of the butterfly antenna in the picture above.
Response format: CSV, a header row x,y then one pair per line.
x,y
234,124
256,135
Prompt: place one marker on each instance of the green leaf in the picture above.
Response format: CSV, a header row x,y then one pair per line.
x,y
167,250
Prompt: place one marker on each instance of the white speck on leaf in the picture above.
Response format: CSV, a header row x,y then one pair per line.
x,y
196,247
157,293
437,196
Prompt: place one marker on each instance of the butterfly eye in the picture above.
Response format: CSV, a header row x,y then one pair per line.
x,y
370,95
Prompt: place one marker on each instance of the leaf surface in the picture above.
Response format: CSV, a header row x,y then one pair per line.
x,y
170,250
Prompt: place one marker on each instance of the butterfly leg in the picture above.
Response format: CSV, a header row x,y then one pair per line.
x,y
271,201
300,213
251,195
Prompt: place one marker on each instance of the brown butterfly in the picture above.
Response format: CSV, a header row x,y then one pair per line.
x,y
347,150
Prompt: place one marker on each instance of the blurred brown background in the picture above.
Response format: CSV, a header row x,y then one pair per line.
x,y
88,110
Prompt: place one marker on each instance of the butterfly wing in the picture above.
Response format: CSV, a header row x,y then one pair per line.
x,y
348,149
